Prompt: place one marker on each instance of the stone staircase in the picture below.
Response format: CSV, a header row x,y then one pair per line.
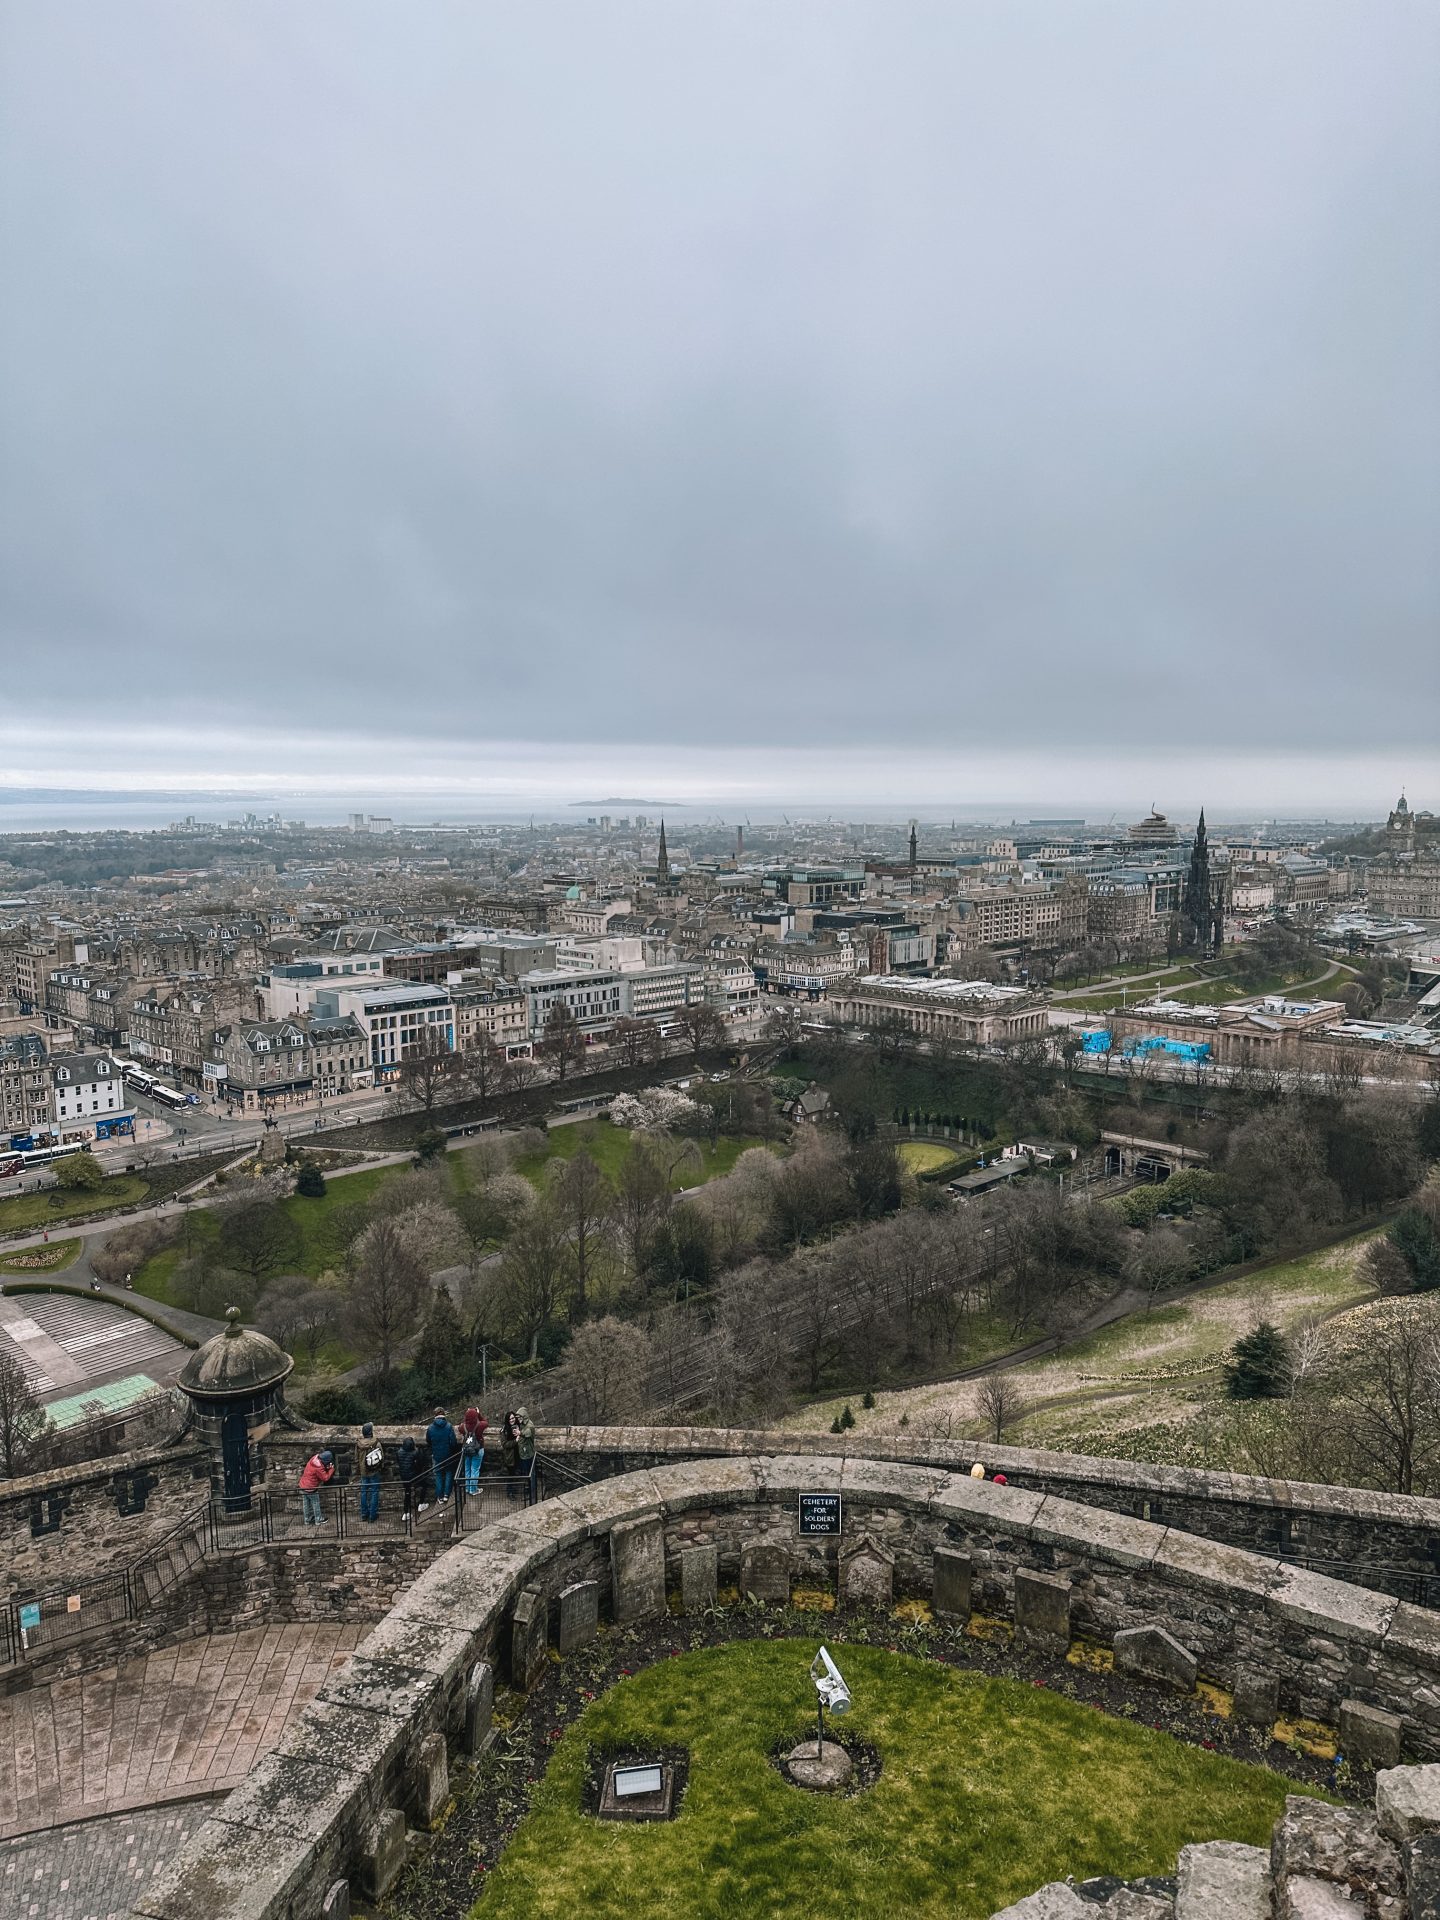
x,y
175,1560
1323,1863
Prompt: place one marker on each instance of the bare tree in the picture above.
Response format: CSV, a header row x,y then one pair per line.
x,y
484,1069
704,1028
23,1422
428,1070
295,1312
1000,1403
637,1041
564,1043
584,1199
387,1294
534,1275
1388,1407
606,1368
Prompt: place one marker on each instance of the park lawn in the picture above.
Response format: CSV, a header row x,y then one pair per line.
x,y
24,1211
43,1259
610,1147
311,1216
923,1156
989,1788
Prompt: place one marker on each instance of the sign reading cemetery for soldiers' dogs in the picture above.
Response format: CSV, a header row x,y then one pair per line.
x,y
819,1514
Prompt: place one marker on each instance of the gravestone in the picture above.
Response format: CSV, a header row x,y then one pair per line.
x,y
1042,1609
527,1640
336,1904
384,1854
1257,1697
1150,1653
699,1571
951,1581
432,1779
867,1575
1368,1735
637,1569
579,1614
765,1573
479,1707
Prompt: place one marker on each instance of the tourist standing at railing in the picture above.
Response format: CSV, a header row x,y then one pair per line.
x,y
411,1468
527,1449
371,1456
510,1450
317,1472
444,1447
472,1450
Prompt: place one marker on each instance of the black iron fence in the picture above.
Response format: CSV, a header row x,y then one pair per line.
x,y
39,1621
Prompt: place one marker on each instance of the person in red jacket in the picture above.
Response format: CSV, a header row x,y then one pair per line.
x,y
317,1472
472,1447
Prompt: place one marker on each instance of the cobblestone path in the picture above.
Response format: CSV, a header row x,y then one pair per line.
x,y
94,1869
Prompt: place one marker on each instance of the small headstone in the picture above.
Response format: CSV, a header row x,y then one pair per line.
x,y
336,1904
1257,1697
952,1575
1223,1880
765,1573
432,1779
1368,1735
384,1855
579,1614
637,1568
1150,1653
479,1707
1042,1609
867,1575
527,1640
1407,1801
699,1576
1422,1876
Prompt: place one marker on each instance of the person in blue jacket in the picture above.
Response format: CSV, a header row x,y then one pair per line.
x,y
444,1452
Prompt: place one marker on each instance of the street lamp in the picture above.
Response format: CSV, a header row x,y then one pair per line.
x,y
830,1691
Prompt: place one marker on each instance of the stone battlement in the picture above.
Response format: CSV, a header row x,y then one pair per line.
x,y
331,1802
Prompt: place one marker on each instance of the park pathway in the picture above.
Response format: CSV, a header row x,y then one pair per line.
x,y
169,1726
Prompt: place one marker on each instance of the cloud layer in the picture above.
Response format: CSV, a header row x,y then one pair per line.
x,y
653,378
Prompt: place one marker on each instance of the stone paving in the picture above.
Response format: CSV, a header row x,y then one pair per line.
x,y
164,1727
95,1869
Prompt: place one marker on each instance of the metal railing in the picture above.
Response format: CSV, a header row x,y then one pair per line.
x,y
38,1621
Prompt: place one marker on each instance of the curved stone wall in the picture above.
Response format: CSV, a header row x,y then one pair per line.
x,y
331,1801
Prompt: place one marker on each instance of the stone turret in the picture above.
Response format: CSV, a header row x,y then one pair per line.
x,y
236,1385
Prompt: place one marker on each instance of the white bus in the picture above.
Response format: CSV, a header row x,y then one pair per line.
x,y
23,1159
167,1096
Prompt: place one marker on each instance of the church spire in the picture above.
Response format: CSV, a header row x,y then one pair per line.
x,y
662,864
914,847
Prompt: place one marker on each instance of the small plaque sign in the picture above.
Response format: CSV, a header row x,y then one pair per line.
x,y
72,1603
819,1514
628,1780
30,1616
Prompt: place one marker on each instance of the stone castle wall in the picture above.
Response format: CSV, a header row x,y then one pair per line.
x,y
329,1802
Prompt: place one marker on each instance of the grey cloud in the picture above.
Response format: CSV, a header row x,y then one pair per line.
x,y
726,372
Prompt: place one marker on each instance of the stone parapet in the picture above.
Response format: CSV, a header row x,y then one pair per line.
x,y
311,1813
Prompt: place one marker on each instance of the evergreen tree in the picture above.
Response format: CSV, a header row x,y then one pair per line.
x,y
441,1347
1195,899
1259,1365
1415,1239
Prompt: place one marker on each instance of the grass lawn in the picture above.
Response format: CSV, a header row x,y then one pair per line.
x,y
989,1789
922,1156
24,1211
59,1253
610,1147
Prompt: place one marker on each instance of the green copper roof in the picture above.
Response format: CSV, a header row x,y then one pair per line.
x,y
114,1397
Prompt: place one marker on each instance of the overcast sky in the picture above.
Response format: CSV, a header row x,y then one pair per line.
x,y
963,392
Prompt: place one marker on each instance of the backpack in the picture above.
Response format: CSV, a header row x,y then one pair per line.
x,y
373,1459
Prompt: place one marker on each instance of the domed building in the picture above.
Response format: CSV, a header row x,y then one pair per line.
x,y
235,1384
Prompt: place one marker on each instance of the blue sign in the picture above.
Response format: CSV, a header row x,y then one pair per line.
x,y
30,1616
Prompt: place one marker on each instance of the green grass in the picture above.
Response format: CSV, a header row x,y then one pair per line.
x,y
24,1211
989,1789
610,1147
59,1253
923,1156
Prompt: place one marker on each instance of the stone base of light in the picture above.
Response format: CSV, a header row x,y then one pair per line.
x,y
823,1772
